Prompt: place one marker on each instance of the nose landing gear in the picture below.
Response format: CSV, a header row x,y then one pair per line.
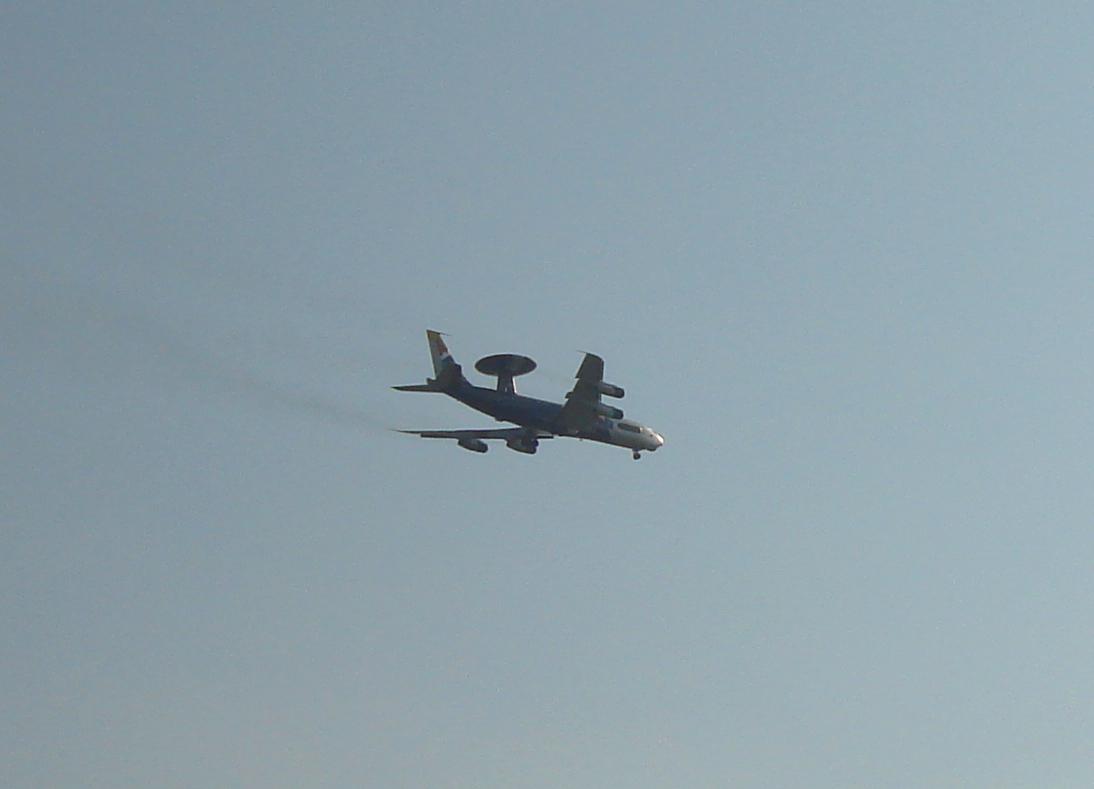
x,y
636,455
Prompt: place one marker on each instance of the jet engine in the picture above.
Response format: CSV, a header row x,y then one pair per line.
x,y
611,390
609,411
474,444
526,444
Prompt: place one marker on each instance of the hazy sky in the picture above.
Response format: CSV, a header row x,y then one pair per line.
x,y
838,253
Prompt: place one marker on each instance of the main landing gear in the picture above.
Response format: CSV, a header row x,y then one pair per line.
x,y
636,455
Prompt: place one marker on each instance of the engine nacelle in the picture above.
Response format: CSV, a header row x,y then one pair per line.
x,y
611,390
526,445
609,411
474,444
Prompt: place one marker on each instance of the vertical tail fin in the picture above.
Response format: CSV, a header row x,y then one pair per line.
x,y
449,374
439,351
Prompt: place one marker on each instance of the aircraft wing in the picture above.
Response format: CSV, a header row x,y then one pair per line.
x,y
583,403
503,433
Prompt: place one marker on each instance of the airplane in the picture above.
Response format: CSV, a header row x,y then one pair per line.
x,y
582,416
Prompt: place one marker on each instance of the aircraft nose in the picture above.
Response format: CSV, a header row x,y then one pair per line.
x,y
659,440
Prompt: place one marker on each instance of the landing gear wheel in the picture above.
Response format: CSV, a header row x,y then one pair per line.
x,y
636,455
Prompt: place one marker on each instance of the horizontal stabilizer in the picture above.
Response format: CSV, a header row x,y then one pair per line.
x,y
430,387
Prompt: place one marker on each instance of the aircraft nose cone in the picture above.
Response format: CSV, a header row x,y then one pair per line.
x,y
659,440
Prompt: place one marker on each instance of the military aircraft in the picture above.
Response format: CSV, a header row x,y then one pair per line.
x,y
583,415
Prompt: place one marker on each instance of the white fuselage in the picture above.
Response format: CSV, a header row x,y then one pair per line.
x,y
630,434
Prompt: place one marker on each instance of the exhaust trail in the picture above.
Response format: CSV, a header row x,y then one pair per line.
x,y
204,368
91,333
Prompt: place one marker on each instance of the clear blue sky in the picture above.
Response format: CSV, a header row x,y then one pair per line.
x,y
839,254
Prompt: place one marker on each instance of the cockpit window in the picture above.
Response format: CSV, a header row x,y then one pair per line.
x,y
629,428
